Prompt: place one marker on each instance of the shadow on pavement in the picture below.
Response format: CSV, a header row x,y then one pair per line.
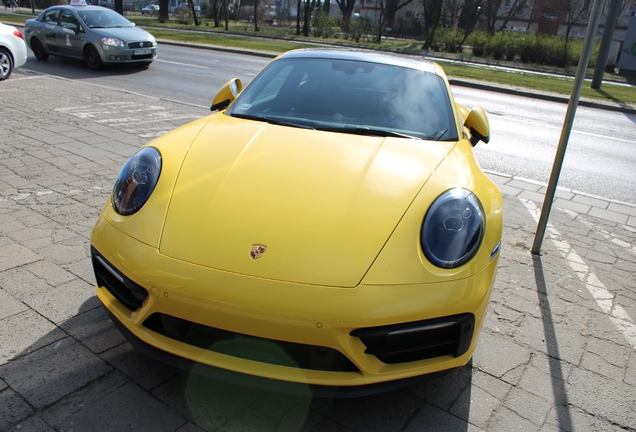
x,y
90,378
622,103
558,379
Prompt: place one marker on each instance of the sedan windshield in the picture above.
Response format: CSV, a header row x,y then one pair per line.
x,y
103,18
349,96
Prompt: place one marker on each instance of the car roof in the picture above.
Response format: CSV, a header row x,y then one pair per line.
x,y
364,56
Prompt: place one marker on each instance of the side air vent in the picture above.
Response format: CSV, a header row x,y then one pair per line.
x,y
419,340
123,289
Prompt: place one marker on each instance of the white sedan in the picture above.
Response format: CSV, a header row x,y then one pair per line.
x,y
13,50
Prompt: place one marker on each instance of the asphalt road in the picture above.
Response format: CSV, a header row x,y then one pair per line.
x,y
599,161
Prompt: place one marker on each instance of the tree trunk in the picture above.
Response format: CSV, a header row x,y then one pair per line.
x,y
255,15
163,11
432,15
298,19
194,12
119,6
309,5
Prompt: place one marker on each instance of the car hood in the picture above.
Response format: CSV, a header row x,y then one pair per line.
x,y
323,204
126,34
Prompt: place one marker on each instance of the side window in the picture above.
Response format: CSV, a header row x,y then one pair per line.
x,y
51,17
69,21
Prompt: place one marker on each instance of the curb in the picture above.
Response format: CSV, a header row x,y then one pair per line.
x,y
551,97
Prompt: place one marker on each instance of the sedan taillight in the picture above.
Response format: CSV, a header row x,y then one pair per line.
x,y
17,33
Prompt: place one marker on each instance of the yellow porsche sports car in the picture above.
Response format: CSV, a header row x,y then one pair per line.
x,y
326,230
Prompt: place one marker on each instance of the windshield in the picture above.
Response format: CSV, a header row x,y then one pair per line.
x,y
350,97
103,18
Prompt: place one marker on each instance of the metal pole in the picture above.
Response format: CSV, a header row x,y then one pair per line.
x,y
606,41
567,124
226,15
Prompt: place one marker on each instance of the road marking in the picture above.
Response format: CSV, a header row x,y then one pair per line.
x,y
559,128
183,64
126,112
604,298
70,192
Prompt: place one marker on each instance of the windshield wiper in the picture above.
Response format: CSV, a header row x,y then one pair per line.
x,y
270,120
367,131
437,135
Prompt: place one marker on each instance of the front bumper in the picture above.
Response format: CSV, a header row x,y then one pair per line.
x,y
116,55
298,335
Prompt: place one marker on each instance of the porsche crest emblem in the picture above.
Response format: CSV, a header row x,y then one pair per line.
x,y
257,251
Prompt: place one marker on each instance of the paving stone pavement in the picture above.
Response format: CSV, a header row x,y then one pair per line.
x,y
557,352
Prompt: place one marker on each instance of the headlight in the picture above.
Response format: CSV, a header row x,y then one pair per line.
x,y
453,229
110,41
136,181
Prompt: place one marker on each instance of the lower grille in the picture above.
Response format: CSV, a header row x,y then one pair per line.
x,y
250,347
419,340
123,289
141,57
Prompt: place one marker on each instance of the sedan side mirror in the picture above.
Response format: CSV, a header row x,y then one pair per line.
x,y
477,123
227,94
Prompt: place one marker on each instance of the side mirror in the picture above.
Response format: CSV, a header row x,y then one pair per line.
x,y
477,123
226,94
73,27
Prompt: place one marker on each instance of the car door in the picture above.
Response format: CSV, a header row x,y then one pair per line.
x,y
49,30
70,35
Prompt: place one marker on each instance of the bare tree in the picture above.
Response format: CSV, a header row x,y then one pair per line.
x,y
309,8
381,21
495,13
432,15
450,12
194,13
468,18
163,11
215,12
392,6
574,11
298,18
255,15
346,7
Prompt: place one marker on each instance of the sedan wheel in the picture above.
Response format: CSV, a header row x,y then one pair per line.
x,y
6,64
92,59
38,49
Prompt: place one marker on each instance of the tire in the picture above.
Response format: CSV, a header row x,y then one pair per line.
x,y
38,49
92,58
6,64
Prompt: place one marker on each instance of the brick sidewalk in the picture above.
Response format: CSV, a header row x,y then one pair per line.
x,y
558,349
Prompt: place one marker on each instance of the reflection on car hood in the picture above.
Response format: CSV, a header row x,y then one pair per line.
x,y
322,203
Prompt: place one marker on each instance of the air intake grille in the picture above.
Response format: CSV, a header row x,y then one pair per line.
x,y
419,340
250,347
123,289
143,44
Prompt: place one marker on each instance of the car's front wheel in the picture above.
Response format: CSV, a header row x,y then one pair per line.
x,y
91,57
38,49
